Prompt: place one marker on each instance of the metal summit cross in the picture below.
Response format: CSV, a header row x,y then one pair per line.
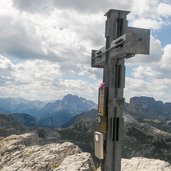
x,y
121,42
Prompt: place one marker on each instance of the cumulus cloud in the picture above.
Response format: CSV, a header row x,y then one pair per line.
x,y
164,9
166,58
6,69
80,6
151,14
151,79
157,69
47,45
40,79
30,71
157,88
149,23
17,40
66,33
34,6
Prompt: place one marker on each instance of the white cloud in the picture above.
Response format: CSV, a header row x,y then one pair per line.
x,y
34,6
143,71
157,88
166,58
150,13
18,40
27,76
164,9
6,69
149,23
40,79
151,79
145,8
51,40
77,5
157,69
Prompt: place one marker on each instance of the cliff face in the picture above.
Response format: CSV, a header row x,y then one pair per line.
x,y
148,108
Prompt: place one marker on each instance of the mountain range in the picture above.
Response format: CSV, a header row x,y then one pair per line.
x,y
147,125
60,112
51,114
20,105
142,138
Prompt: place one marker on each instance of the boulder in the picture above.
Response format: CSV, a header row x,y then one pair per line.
x,y
20,153
144,164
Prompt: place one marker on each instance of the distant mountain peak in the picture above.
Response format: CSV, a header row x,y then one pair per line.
x,y
58,112
70,97
142,99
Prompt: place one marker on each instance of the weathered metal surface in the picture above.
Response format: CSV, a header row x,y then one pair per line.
x,y
134,41
138,41
121,42
98,58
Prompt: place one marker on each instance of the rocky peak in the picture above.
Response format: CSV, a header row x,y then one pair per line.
x,y
77,103
20,153
149,108
142,99
70,97
142,102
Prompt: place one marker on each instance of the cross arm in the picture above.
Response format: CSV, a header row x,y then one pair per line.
x,y
134,41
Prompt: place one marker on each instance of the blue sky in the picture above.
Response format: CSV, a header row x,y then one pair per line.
x,y
45,48
164,35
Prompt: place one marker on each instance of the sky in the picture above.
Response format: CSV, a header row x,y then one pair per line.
x,y
45,48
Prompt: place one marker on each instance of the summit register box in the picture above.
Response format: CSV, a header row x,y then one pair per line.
x,y
102,108
102,101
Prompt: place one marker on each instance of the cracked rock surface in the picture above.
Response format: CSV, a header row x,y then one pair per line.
x,y
144,164
20,153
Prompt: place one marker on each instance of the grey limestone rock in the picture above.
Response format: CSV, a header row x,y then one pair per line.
x,y
144,164
77,162
20,153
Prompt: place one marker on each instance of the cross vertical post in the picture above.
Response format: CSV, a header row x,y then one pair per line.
x,y
121,42
113,77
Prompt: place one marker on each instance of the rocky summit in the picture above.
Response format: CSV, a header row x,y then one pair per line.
x,y
21,153
144,164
